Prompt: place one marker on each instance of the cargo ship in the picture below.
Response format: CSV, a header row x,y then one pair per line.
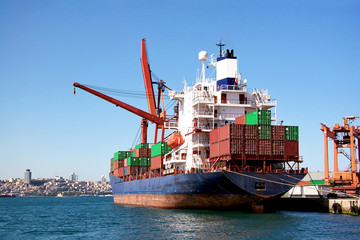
x,y
223,149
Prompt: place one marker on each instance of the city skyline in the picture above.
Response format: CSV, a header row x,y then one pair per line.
x,y
304,52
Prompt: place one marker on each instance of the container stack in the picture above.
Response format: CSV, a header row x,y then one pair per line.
x,y
118,163
142,150
253,136
157,154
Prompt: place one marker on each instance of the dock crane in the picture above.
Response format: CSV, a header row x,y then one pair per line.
x,y
344,137
155,115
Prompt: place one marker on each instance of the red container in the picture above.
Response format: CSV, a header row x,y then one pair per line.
x,y
119,163
157,162
236,146
214,150
250,131
149,152
132,170
224,132
119,172
265,147
224,147
230,147
141,152
241,120
278,132
278,148
250,147
231,131
292,148
214,135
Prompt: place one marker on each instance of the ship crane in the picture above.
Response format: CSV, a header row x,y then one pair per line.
x,y
344,137
155,115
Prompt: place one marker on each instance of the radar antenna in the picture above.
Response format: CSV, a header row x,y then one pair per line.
x,y
220,45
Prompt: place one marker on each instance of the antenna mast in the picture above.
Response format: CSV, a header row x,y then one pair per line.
x,y
220,45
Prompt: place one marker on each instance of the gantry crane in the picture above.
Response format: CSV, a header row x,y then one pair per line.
x,y
155,115
344,137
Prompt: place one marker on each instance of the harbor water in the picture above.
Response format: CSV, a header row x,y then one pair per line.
x,y
100,218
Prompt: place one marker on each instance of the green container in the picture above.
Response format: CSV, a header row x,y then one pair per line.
x,y
292,133
142,145
132,154
113,166
160,148
264,132
144,161
120,155
259,117
133,161
317,182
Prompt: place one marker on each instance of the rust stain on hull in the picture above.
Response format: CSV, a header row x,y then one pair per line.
x,y
188,201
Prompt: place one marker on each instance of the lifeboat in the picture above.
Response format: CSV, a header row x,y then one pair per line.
x,y
175,140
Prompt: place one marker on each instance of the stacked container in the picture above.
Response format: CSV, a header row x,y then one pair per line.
x,y
227,140
157,154
255,138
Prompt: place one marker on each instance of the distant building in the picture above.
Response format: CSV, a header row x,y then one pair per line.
x,y
103,179
27,176
73,177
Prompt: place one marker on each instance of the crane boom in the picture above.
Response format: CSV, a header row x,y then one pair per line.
x,y
147,80
139,112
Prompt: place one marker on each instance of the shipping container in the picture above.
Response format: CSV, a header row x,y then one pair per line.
x,y
231,147
144,161
160,148
292,148
157,162
119,163
241,120
214,149
120,155
214,135
262,117
142,152
278,148
251,147
231,131
129,170
291,133
265,147
133,161
264,132
250,131
119,172
278,132
142,145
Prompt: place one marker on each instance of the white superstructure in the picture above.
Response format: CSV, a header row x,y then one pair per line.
x,y
209,104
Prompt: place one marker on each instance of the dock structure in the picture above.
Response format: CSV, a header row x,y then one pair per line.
x,y
313,195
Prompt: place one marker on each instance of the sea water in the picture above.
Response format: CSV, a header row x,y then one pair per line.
x,y
100,218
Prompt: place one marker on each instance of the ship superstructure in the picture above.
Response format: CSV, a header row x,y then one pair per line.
x,y
210,104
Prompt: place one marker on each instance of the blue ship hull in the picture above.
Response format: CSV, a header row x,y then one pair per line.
x,y
221,189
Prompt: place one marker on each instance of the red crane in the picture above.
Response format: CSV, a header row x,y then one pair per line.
x,y
155,115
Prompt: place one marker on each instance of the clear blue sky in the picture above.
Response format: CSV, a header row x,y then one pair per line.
x,y
305,52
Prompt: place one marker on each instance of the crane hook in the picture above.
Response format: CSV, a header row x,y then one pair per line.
x,y
74,91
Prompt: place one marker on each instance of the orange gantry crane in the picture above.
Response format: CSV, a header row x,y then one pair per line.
x,y
344,137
